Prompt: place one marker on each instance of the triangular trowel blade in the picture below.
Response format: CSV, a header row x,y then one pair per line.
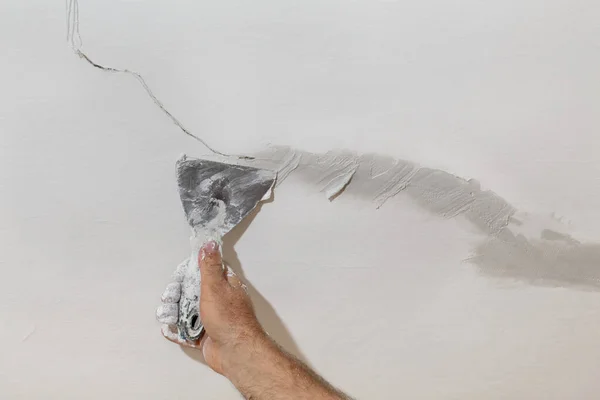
x,y
204,184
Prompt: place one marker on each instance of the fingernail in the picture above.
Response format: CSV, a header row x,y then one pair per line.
x,y
210,247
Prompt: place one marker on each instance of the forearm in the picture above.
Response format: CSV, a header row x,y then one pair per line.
x,y
263,371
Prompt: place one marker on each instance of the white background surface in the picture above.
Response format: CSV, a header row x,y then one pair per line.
x,y
378,301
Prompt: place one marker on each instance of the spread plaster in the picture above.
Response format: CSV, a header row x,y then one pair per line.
x,y
522,249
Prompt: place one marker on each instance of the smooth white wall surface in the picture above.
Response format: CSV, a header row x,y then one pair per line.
x,y
378,301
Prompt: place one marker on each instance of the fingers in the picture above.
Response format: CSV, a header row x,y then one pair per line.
x,y
211,265
172,293
170,333
179,273
168,314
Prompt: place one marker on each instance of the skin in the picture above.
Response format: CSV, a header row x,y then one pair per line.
x,y
236,346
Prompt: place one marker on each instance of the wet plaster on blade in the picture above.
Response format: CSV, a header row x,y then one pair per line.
x,y
546,255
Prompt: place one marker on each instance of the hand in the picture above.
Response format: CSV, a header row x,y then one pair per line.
x,y
234,344
230,324
227,313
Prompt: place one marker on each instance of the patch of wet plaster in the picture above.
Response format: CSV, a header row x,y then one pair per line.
x,y
565,263
519,246
378,178
289,164
337,185
339,172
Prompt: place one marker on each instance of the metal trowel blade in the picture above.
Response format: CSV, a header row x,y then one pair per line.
x,y
217,196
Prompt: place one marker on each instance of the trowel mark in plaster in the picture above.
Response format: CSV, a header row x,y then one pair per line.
x,y
397,183
542,256
290,164
337,185
340,171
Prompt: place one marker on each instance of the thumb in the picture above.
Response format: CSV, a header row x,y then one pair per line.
x,y
211,265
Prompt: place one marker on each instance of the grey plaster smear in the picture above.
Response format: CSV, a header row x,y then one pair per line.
x,y
517,247
378,178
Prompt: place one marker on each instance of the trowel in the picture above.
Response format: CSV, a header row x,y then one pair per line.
x,y
216,197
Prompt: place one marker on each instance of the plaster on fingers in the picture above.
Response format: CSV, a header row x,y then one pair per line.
x,y
168,314
172,293
180,270
170,333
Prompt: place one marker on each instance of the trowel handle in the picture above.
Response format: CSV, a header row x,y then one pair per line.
x,y
189,325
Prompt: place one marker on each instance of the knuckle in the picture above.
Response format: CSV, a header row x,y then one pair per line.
x,y
167,313
212,258
172,293
215,266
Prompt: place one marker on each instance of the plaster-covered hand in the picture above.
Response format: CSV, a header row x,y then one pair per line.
x,y
235,344
168,312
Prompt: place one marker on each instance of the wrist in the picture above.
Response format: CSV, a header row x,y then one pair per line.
x,y
249,349
258,366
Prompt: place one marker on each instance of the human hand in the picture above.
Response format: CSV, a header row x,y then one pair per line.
x,y
231,326
234,344
227,313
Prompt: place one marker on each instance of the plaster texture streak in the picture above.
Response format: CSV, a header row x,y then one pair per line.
x,y
537,255
472,172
